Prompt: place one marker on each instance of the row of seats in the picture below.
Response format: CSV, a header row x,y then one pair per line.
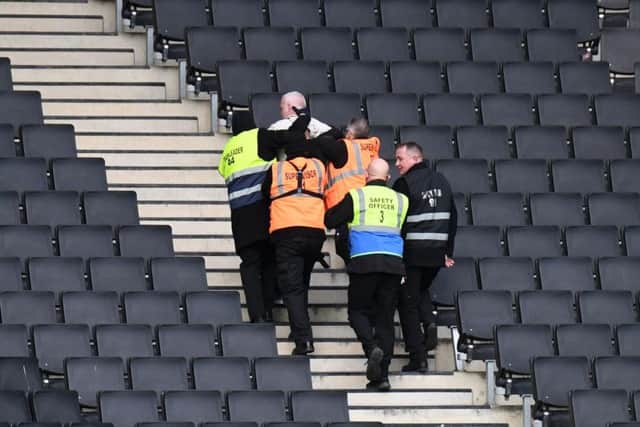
x,y
127,408
509,209
43,141
459,109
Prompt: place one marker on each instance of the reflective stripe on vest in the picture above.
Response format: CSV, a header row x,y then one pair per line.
x,y
378,214
432,216
427,236
294,203
351,175
242,169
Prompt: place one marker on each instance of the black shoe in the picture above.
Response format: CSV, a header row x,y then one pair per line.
x,y
415,366
303,348
374,370
430,337
382,385
258,320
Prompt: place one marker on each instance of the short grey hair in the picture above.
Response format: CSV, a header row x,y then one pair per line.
x,y
359,127
295,98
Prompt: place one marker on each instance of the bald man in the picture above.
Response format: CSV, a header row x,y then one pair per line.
x,y
289,103
375,215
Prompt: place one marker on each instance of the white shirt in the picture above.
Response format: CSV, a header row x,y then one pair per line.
x,y
316,127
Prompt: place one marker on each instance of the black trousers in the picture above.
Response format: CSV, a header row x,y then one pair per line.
x,y
295,258
258,275
372,303
415,307
342,243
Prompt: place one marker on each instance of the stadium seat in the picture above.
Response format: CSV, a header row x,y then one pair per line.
x,y
632,240
415,77
627,337
600,142
483,142
114,208
335,108
436,141
27,308
86,241
477,78
20,374
238,14
6,82
213,308
579,15
579,176
91,308
513,274
25,241
634,141
462,209
261,406
349,13
541,142
171,19
441,45
449,282
560,209
410,14
14,340
147,241
449,110
9,208
239,79
478,241
534,241
619,47
619,209
48,141
187,341
530,78
387,137
553,45
625,176
496,45
117,274
320,406
222,373
126,408
302,76
546,307
518,14
8,146
14,407
393,109
499,209
461,14
591,78
152,308
182,275
619,273
11,272
57,274
611,307
573,274
23,175
283,373
158,374
618,110
595,408
53,208
593,241
588,340
19,108
270,44
509,110
193,406
86,174
383,44
56,406
124,341
265,108
564,110
361,77
294,13
54,343
248,340
521,176
617,373
465,176
327,44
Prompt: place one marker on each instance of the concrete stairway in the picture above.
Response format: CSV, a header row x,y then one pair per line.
x,y
164,150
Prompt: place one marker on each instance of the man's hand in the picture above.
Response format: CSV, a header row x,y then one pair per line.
x,y
449,262
300,124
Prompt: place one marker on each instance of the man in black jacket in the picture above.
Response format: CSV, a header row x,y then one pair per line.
x,y
429,234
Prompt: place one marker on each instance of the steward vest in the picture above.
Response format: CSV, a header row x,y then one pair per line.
x,y
360,152
378,215
296,194
427,224
242,169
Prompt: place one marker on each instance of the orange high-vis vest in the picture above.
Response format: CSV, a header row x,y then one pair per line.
x,y
360,152
297,188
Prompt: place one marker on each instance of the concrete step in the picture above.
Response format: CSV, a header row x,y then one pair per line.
x,y
164,160
96,91
104,9
69,56
402,399
175,194
439,415
149,143
330,348
170,210
186,177
213,244
52,24
128,124
319,278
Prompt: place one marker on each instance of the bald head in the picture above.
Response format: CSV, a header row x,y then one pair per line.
x,y
290,100
378,169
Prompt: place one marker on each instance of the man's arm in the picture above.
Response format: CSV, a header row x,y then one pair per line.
x,y
340,214
332,150
266,186
402,187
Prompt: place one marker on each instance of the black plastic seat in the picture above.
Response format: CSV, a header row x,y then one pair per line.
x,y
620,47
591,78
56,406
617,110
564,110
415,77
19,108
294,13
530,78
593,241
534,241
496,45
599,142
383,44
573,274
499,209
319,405
627,338
478,241
327,44
152,308
619,209
193,406
222,373
449,110
28,308
119,275
7,144
579,176
148,241
283,373
483,142
238,14
441,45
114,208
57,274
239,79
518,14
625,175
521,176
461,14
85,174
270,44
465,176
90,375
171,19
302,76
509,110
617,373
158,374
53,208
15,407
124,341
256,406
335,108
409,14
6,82
265,109
248,340
11,273
553,45
395,109
634,141
450,281
213,307
361,77
513,274
349,13
86,241
581,16
54,343
48,141
91,308
619,274
20,374
187,341
555,377
436,141
182,275
546,307
477,78
23,175
596,408
541,142
560,209
14,340
126,408
612,307
588,340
